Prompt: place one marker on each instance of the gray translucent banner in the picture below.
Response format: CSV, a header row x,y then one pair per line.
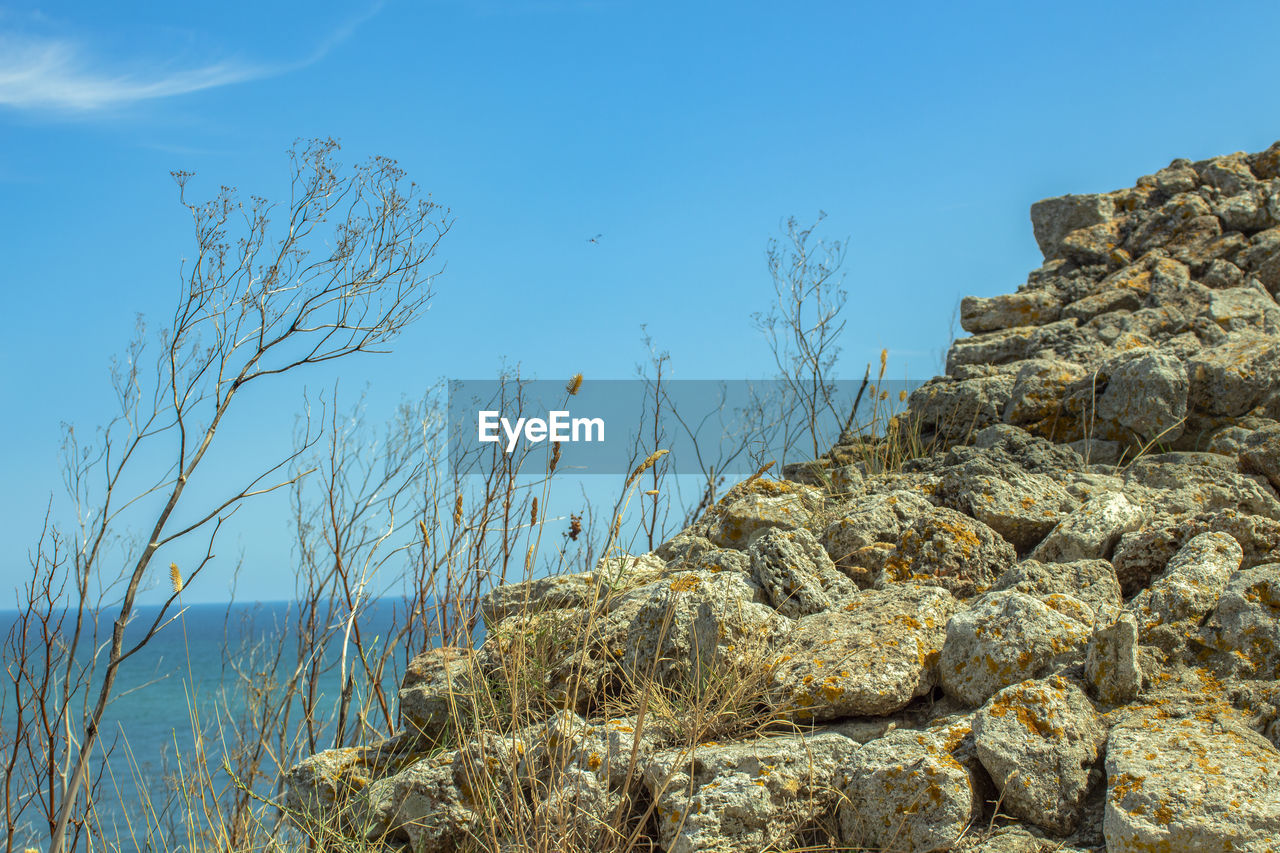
x,y
610,426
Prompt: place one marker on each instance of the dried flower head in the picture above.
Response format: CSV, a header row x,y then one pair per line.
x,y
457,510
575,384
575,527
648,463
175,578
533,512
902,396
884,360
426,540
555,457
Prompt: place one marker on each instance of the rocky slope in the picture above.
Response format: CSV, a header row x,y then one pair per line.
x,y
1069,609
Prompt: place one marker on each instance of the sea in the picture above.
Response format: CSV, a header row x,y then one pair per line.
x,y
149,730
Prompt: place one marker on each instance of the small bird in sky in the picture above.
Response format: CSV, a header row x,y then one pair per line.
x,y
595,239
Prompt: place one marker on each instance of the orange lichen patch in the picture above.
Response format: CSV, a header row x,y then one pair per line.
x,y
688,583
594,761
1125,784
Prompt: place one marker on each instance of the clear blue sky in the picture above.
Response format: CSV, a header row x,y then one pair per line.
x,y
680,132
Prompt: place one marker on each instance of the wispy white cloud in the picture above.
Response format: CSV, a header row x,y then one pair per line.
x,y
53,74
61,75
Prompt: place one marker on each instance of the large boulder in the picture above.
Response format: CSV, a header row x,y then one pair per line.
x,y
1190,778
1041,741
1004,638
906,791
871,656
744,797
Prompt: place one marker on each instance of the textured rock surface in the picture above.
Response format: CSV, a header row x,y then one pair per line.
x,y
1091,531
906,791
796,573
1246,621
873,655
948,549
1190,779
1004,638
1040,741
1111,661
746,796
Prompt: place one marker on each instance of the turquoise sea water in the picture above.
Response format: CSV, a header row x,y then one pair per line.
x,y
189,664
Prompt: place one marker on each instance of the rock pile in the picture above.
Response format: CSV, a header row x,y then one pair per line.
x,y
1059,630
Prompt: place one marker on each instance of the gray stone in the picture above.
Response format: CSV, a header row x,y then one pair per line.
x,y
744,797
861,538
871,656
1021,507
1178,484
1244,308
1233,377
1091,531
1146,397
951,550
1189,586
566,591
688,624
953,409
1052,219
906,791
1246,622
1260,454
1028,308
1036,400
1111,661
1091,581
796,573
768,504
1009,345
437,691
1040,741
1196,780
1003,638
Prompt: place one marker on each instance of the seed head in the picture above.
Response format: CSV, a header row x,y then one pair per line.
x,y
175,578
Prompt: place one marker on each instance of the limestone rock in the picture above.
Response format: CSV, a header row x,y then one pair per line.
x,y
949,549
1091,581
1111,661
871,656
567,591
1020,506
766,505
1003,638
1040,741
906,791
953,409
1235,376
436,690
1246,621
1260,454
1091,531
1030,308
1190,780
1174,484
744,797
686,623
1190,585
1054,218
796,573
860,539
1146,396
